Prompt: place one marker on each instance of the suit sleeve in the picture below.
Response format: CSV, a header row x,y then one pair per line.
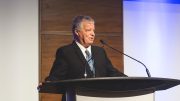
x,y
112,72
59,68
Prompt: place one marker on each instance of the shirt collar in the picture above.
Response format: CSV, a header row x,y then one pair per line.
x,y
83,49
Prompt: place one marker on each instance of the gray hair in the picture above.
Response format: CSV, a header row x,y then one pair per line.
x,y
76,23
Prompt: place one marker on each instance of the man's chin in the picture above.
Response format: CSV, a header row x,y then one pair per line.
x,y
91,43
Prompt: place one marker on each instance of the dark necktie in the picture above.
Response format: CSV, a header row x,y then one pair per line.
x,y
90,61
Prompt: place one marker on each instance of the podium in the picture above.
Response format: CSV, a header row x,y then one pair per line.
x,y
114,88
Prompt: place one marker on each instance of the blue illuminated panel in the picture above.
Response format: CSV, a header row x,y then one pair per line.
x,y
160,1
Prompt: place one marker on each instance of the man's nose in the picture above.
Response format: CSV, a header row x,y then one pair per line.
x,y
93,33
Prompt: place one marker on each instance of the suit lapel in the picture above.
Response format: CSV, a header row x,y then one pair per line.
x,y
93,52
94,57
79,53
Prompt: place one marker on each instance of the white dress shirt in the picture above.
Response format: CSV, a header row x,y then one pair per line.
x,y
83,49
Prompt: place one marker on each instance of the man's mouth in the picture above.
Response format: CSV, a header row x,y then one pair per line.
x,y
92,38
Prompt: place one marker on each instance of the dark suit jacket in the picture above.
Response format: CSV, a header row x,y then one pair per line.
x,y
70,64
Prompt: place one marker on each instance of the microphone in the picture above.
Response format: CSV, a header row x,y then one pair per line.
x,y
147,71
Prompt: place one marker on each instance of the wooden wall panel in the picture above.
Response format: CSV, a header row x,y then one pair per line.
x,y
56,15
55,30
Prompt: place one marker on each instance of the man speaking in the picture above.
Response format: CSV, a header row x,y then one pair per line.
x,y
81,59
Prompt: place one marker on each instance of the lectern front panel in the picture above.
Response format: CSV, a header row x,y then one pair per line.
x,y
146,97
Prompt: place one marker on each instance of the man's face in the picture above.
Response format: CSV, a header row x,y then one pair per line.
x,y
86,33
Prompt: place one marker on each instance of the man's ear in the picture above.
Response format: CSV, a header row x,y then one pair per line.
x,y
76,31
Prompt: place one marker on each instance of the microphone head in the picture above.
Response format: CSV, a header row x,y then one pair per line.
x,y
102,41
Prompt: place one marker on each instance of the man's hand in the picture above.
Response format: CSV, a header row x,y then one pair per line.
x,y
39,86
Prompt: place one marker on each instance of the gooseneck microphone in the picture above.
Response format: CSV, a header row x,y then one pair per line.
x,y
147,71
